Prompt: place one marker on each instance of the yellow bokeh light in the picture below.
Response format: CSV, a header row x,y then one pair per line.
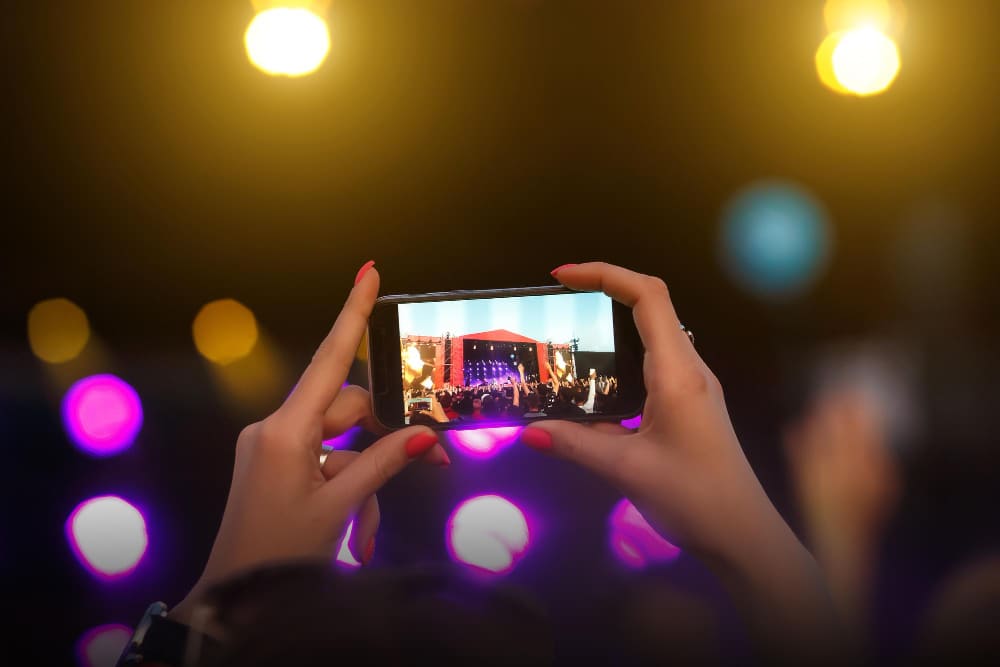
x,y
362,353
224,331
57,330
865,61
824,63
850,14
287,41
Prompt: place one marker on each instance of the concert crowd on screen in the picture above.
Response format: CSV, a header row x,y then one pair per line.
x,y
519,397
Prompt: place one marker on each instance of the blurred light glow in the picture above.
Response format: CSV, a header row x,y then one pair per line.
x,y
344,440
633,541
775,239
103,645
633,423
57,330
488,533
102,415
824,63
344,555
287,41
224,331
866,61
484,442
107,535
849,14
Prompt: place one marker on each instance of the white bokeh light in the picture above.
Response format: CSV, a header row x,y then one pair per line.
x,y
488,533
344,555
107,535
102,646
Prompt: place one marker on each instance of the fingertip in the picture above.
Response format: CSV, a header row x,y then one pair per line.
x,y
420,442
537,438
364,270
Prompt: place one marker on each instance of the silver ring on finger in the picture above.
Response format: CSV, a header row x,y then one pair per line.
x,y
690,334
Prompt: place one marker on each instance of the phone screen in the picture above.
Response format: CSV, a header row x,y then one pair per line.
x,y
508,359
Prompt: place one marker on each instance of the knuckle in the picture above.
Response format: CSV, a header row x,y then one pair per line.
x,y
269,434
248,436
714,384
658,286
687,382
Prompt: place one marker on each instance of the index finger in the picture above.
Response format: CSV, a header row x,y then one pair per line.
x,y
332,361
647,296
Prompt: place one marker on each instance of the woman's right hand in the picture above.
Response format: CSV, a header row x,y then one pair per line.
x,y
684,468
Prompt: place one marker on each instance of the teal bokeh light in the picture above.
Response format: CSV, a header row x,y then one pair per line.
x,y
775,239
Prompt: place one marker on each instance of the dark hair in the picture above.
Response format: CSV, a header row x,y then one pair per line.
x,y
444,399
311,614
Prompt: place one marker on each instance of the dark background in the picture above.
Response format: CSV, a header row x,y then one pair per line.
x,y
463,145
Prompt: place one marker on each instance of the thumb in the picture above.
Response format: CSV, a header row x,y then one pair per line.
x,y
594,449
376,465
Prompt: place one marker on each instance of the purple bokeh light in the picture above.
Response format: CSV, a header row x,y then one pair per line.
x,y
343,441
488,533
633,541
103,645
107,534
102,415
633,423
484,443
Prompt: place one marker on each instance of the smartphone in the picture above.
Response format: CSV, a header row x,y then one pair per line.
x,y
472,359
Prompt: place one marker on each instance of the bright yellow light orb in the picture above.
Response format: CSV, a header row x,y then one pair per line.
x,y
849,14
287,41
824,63
57,330
224,331
865,61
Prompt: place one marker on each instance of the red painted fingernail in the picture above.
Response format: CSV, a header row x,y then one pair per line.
x,y
420,444
369,552
536,438
363,270
560,268
447,459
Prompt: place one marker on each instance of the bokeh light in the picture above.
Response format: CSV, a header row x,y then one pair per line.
x,y
866,61
107,535
224,331
484,442
633,541
102,646
824,63
633,422
488,533
775,239
345,440
287,41
57,330
344,555
102,415
850,14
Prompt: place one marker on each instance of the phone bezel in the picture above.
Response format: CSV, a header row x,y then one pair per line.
x,y
385,380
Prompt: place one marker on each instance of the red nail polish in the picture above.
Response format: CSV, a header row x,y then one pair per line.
x,y
560,268
419,444
536,438
447,460
363,270
369,552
